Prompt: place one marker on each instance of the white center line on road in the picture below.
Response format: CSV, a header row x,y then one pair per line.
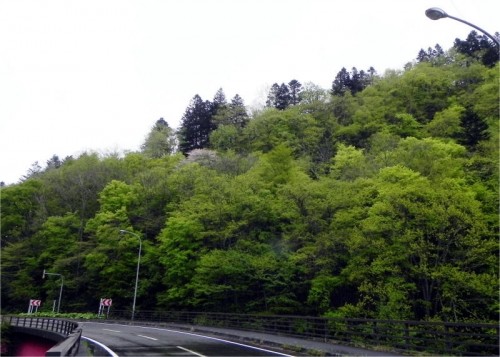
x,y
107,329
151,338
193,352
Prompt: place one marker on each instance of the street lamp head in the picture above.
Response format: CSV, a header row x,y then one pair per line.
x,y
123,231
435,13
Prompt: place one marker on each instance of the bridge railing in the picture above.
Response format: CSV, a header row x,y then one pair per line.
x,y
68,330
62,327
450,338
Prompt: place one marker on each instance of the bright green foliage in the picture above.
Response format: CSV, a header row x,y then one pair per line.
x,y
160,140
110,256
255,275
116,195
412,234
431,157
381,204
446,123
19,210
349,163
289,127
180,244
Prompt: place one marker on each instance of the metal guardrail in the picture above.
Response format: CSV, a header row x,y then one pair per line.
x,y
67,347
68,330
443,338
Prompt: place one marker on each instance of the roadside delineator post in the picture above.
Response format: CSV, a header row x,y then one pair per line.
x,y
104,303
34,304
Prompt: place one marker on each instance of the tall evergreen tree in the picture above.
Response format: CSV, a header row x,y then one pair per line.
x,y
283,98
431,54
219,98
479,47
219,103
474,129
53,163
232,114
295,90
239,115
357,83
342,83
196,125
272,95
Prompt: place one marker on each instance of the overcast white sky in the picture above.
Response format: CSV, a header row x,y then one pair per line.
x,y
96,74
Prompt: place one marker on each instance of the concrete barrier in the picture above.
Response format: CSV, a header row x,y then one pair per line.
x,y
68,346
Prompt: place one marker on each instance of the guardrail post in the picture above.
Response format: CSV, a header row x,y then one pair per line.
x,y
375,331
407,334
447,338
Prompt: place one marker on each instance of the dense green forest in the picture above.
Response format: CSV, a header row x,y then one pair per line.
x,y
377,197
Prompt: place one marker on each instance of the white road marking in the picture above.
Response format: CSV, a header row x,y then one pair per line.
x,y
107,329
193,352
207,337
106,348
216,339
151,338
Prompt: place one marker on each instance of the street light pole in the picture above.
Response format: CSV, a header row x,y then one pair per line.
x,y
123,231
60,290
435,13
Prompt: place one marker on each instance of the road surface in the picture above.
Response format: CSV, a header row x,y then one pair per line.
x,y
130,340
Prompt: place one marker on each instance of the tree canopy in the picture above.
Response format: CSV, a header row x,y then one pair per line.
x,y
375,198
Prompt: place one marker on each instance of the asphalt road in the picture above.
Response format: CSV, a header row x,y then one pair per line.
x,y
130,340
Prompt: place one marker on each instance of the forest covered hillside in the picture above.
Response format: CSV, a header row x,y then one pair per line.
x,y
377,197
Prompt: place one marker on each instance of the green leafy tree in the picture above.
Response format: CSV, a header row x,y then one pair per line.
x,y
109,256
446,123
180,244
160,141
252,277
349,163
19,210
413,230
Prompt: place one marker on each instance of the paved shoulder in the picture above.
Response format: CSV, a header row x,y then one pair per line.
x,y
291,344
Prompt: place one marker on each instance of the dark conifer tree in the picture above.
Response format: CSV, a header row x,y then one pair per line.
x,y
219,101
272,95
196,125
232,114
474,129
430,55
279,96
295,89
161,124
341,83
283,97
239,115
357,83
53,163
479,47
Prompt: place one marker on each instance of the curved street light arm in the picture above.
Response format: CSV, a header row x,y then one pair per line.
x,y
60,290
435,13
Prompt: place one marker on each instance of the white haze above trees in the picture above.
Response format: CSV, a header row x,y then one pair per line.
x,y
96,75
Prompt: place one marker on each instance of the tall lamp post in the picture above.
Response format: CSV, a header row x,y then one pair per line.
x,y
60,290
435,13
123,231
